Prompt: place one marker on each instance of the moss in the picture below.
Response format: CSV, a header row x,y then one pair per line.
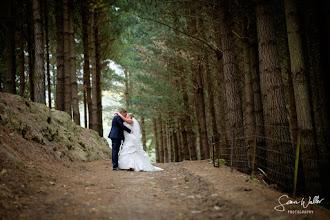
x,y
35,122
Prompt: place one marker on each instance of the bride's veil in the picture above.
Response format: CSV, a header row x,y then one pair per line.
x,y
137,132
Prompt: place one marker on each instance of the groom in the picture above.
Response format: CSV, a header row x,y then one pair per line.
x,y
117,135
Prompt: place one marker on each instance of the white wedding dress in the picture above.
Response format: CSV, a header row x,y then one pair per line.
x,y
131,154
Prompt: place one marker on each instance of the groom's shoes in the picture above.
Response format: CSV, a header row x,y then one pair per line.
x,y
116,169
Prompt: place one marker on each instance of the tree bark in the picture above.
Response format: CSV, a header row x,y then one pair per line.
x,y
94,124
46,14
74,85
143,131
166,145
221,102
198,84
191,134
316,46
39,68
66,51
85,106
10,85
87,83
21,51
126,89
258,111
59,105
156,141
179,138
274,109
201,117
170,141
98,75
175,146
249,99
300,86
233,101
160,135
186,142
210,97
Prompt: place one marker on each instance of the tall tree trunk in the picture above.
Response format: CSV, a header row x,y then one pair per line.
x,y
39,68
201,117
166,145
156,141
222,125
176,145
249,99
258,111
98,75
30,48
143,131
209,83
161,137
186,142
191,134
10,85
74,85
179,138
66,49
198,86
172,144
31,63
85,106
94,125
21,51
130,84
87,83
210,96
46,14
315,35
170,141
300,86
59,103
274,109
126,89
233,101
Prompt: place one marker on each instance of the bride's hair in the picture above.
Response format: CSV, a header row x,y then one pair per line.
x,y
131,114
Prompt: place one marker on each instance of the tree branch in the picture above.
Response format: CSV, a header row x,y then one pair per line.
x,y
216,50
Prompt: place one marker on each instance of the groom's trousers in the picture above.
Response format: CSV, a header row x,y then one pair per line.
x,y
115,150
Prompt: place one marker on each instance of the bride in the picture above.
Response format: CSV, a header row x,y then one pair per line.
x,y
131,155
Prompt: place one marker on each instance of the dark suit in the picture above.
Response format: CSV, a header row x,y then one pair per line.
x,y
117,135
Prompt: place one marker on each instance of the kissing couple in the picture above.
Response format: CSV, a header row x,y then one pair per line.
x,y
131,155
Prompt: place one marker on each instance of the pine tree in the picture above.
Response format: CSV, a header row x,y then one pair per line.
x,y
233,101
66,53
59,105
300,85
272,91
87,83
39,68
72,56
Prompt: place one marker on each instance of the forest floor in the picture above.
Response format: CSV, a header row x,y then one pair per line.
x,y
184,190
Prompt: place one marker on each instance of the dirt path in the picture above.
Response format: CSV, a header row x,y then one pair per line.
x,y
186,190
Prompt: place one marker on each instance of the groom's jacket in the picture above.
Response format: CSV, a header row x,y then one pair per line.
x,y
117,128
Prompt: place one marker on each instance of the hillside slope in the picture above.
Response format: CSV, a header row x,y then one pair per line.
x,y
53,129
32,136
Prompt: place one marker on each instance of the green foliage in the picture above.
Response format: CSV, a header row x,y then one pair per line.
x,y
139,48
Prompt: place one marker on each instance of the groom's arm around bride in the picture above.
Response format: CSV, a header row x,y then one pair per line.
x,y
117,135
